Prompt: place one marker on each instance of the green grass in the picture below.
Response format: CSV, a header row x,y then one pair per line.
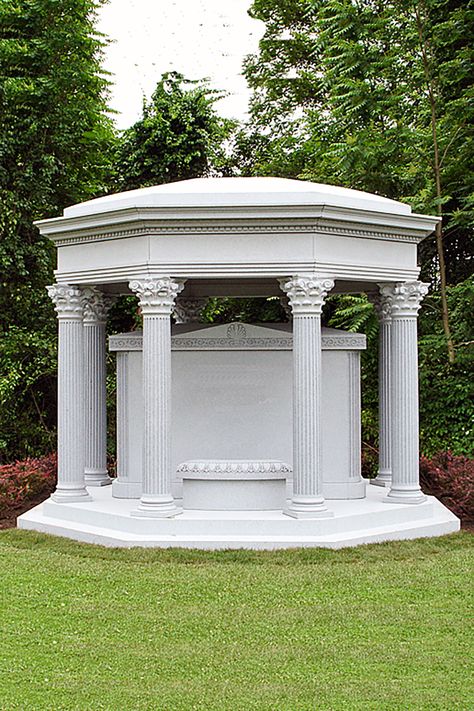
x,y
385,626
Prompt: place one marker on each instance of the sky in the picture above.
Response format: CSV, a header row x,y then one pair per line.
x,y
199,38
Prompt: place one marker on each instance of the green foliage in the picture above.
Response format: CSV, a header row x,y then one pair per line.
x,y
447,390
352,312
252,310
55,141
378,95
348,93
180,136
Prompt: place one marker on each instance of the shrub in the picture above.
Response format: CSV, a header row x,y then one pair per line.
x,y
451,479
25,481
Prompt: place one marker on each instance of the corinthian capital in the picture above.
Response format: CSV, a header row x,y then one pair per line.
x,y
68,300
188,310
382,305
306,293
157,295
96,305
403,299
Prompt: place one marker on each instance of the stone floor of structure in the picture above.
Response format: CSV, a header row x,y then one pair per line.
x,y
107,521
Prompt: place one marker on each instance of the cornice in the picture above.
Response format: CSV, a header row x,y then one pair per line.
x,y
234,230
132,222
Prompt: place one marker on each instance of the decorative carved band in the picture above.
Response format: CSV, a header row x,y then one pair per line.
x,y
404,299
205,344
235,466
306,294
343,342
68,300
157,295
237,229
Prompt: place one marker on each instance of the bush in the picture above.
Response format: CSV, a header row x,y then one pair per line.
x,y
25,481
451,479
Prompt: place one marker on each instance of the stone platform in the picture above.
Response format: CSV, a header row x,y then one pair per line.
x,y
107,521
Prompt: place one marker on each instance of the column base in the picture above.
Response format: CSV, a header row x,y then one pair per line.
x,y
157,509
314,509
66,496
383,478
97,478
403,496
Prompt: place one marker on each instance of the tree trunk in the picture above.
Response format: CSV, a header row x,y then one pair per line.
x,y
437,174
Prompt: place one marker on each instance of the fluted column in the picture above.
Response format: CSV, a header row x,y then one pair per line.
x,y
157,298
306,295
69,301
123,468
355,424
383,308
96,307
404,300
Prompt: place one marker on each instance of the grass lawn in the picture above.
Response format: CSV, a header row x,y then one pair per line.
x,y
385,626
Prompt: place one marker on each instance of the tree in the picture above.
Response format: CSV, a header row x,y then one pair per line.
x,y
55,141
379,95
180,136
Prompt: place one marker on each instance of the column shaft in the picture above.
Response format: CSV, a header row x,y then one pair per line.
x,y
96,307
157,397
122,417
384,476
96,405
307,473
405,454
405,302
69,304
157,298
355,424
306,294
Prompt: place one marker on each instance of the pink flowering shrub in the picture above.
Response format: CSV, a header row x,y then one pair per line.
x,y
24,481
451,479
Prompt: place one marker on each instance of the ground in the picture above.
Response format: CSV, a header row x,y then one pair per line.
x,y
385,626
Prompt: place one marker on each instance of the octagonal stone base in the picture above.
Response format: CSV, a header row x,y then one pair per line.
x,y
108,521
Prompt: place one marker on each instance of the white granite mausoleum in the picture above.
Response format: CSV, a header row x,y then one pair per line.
x,y
236,435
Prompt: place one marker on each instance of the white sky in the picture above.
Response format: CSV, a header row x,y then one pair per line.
x,y
199,38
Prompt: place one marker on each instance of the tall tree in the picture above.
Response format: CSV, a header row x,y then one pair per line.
x,y
379,95
179,136
55,140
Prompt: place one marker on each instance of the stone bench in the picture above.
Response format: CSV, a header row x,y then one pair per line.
x,y
234,484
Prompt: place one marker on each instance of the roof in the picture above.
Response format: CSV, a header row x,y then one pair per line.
x,y
239,192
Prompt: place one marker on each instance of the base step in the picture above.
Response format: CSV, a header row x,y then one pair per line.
x,y
107,521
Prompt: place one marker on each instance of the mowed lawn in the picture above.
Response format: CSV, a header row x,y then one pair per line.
x,y
385,626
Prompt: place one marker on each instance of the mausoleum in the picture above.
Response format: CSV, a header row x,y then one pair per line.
x,y
236,435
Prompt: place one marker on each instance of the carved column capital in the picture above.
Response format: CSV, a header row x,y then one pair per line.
x,y
96,305
306,293
188,310
403,299
157,294
381,305
68,301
